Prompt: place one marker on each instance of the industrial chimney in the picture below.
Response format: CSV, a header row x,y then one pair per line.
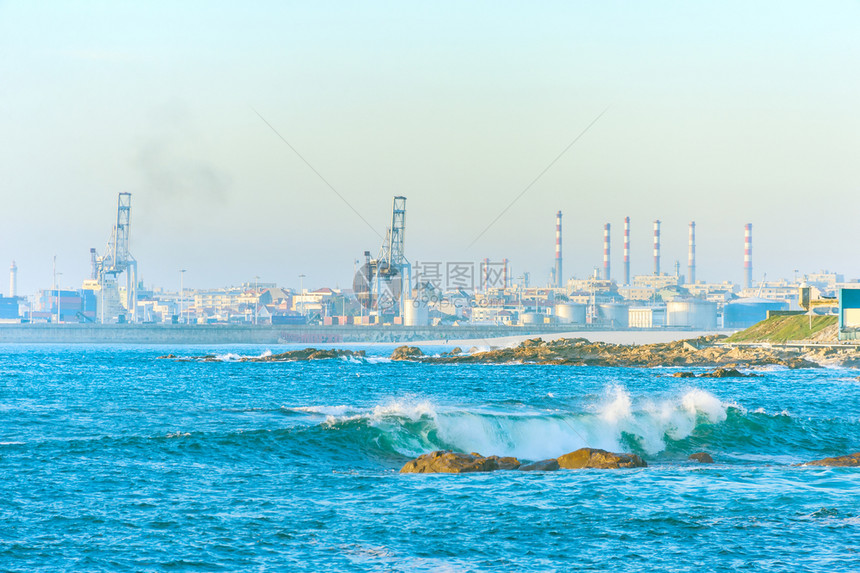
x,y
748,255
13,280
606,274
505,275
559,277
627,250
657,247
691,255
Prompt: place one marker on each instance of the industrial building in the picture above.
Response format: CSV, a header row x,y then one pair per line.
x,y
849,314
744,312
383,292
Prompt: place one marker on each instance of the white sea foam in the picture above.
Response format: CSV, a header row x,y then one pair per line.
x,y
405,409
233,357
325,410
229,357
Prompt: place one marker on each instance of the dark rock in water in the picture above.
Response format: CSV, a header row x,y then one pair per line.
x,y
683,375
406,353
549,465
457,351
446,461
599,459
167,357
506,463
701,457
728,373
306,354
851,460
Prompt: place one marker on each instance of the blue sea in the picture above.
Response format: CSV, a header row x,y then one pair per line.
x,y
114,460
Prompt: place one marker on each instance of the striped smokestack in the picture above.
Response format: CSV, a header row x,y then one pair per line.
x,y
748,255
505,273
627,250
606,274
559,277
691,255
657,247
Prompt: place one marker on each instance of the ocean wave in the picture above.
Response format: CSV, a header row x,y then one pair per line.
x,y
665,428
616,423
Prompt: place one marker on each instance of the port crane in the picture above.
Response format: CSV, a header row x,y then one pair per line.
x,y
384,283
117,260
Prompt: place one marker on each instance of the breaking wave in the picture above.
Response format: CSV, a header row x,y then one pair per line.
x,y
616,423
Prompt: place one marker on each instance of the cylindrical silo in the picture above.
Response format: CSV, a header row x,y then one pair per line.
x,y
693,313
613,314
570,313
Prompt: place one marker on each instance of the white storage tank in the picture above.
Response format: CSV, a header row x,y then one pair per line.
x,y
531,318
614,314
700,314
570,313
416,313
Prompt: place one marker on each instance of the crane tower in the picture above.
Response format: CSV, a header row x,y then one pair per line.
x,y
384,283
116,261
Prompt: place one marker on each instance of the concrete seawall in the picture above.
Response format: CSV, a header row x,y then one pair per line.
x,y
251,334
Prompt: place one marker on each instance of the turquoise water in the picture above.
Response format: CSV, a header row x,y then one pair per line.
x,y
114,460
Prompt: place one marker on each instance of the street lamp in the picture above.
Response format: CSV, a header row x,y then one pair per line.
x,y
181,292
302,293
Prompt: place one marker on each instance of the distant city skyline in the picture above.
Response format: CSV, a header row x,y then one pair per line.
x,y
723,115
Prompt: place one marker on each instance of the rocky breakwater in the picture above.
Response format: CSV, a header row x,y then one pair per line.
x,y
446,461
704,351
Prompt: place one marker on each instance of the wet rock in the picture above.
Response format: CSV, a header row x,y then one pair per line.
x,y
599,459
683,375
305,354
506,463
728,373
167,357
701,457
446,461
406,353
851,460
549,465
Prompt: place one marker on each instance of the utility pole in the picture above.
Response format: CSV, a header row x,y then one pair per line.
x,y
181,293
256,298
302,293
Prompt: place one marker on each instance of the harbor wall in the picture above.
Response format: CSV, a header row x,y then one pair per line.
x,y
256,334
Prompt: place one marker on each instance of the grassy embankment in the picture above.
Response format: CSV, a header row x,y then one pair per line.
x,y
778,329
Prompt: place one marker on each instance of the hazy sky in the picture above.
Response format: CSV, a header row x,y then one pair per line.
x,y
723,113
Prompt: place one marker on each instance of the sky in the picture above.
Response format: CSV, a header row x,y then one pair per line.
x,y
719,113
